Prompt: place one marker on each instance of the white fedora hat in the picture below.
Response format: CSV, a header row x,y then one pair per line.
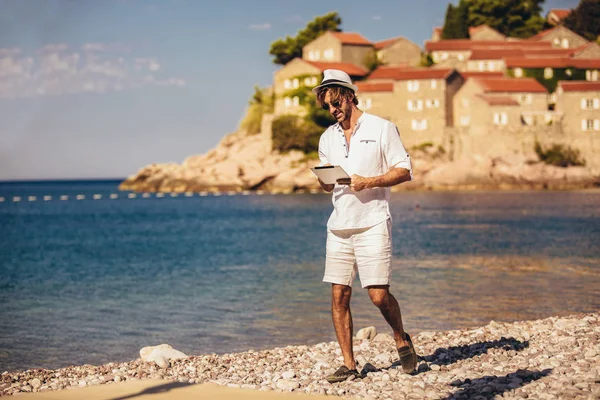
x,y
336,77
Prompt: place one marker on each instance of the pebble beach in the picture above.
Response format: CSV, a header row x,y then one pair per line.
x,y
552,358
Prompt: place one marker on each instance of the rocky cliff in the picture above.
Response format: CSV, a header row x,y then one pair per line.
x,y
247,162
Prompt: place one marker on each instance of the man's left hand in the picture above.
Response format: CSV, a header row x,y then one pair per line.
x,y
358,183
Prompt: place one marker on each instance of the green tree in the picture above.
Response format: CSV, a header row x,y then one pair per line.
x,y
285,50
585,19
456,21
517,18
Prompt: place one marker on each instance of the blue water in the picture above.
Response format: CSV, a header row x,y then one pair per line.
x,y
92,281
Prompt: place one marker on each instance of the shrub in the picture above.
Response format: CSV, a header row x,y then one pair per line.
x,y
291,132
559,155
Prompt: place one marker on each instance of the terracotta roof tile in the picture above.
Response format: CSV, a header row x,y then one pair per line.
x,y
351,38
579,86
482,74
375,86
467,44
350,69
404,73
495,54
498,100
552,62
561,13
510,85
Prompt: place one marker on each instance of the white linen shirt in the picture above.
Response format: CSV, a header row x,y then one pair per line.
x,y
375,148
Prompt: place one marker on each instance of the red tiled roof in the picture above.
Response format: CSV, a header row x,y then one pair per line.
x,y
579,86
467,44
384,43
482,74
543,62
561,13
350,69
403,73
510,85
351,38
375,86
585,63
498,100
478,53
552,62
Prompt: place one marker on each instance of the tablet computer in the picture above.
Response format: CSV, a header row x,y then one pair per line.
x,y
329,174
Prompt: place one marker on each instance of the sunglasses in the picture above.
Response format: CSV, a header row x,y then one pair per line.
x,y
335,104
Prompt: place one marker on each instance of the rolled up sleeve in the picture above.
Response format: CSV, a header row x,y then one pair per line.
x,y
393,150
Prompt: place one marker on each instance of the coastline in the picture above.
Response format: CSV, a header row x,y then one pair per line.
x,y
556,357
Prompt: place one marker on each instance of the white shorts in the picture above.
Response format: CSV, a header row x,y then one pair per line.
x,y
366,250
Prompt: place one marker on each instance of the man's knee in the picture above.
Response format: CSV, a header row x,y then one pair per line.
x,y
379,296
340,296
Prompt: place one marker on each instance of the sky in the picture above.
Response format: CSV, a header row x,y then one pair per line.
x,y
100,88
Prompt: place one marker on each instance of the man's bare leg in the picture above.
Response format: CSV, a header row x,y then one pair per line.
x,y
342,321
388,305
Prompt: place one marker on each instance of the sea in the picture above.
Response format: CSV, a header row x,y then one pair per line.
x,y
90,274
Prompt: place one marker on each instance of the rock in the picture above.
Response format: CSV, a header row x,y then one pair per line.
x,y
366,333
383,338
161,355
287,385
288,374
35,383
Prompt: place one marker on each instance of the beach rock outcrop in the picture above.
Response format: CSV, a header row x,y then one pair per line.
x,y
247,162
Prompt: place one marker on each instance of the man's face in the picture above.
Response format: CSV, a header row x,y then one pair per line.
x,y
339,109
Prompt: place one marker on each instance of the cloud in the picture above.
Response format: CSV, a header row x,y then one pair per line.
x,y
94,68
260,27
376,17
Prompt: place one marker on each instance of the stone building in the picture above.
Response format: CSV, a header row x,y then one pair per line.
x,y
398,51
346,47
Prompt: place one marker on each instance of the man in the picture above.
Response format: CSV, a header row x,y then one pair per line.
x,y
359,229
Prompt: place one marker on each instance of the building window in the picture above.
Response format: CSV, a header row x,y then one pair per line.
x,y
483,65
500,118
590,124
413,86
527,119
287,102
556,41
306,81
548,73
328,54
296,101
415,105
368,103
419,125
465,120
461,56
444,56
518,72
525,99
591,75
436,103
565,43
295,83
287,84
313,81
428,103
433,84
